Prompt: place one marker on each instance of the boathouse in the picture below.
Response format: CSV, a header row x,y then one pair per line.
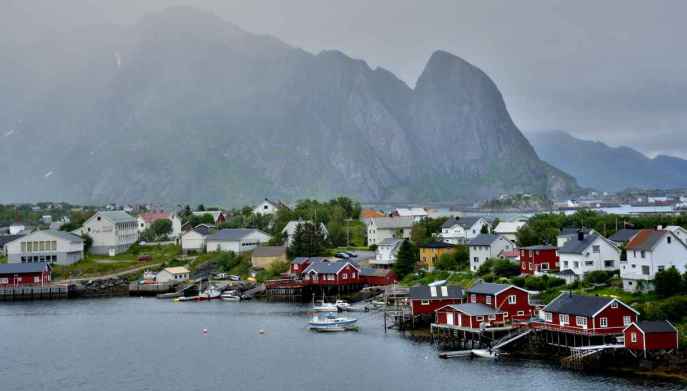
x,y
21,274
424,300
378,277
538,259
650,336
332,273
513,301
586,315
470,316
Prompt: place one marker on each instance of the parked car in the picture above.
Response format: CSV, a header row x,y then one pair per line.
x,y
351,255
234,277
145,258
342,255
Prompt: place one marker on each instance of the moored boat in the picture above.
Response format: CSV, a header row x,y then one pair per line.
x,y
330,322
484,353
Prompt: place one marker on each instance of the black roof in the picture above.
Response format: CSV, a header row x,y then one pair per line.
x,y
576,246
573,231
10,268
441,292
656,326
488,288
624,235
4,239
483,240
475,309
540,247
573,304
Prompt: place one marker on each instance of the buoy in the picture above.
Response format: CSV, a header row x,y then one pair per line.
x,y
205,331
261,331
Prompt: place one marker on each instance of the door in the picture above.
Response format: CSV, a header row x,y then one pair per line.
x,y
449,318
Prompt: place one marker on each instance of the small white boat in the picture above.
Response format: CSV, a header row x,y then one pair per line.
x,y
484,353
342,305
330,322
325,307
211,293
230,297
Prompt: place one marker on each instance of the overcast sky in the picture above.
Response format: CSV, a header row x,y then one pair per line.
x,y
614,71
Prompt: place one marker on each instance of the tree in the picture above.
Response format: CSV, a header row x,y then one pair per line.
x,y
406,259
446,261
201,219
668,282
201,208
308,241
87,242
161,228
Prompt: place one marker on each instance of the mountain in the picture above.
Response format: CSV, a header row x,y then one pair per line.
x,y
186,107
606,168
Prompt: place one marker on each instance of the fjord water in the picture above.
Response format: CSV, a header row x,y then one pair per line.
x,y
147,344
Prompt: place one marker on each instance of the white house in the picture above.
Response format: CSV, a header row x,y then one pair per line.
x,y
680,232
238,240
485,246
268,207
290,229
195,240
417,214
587,253
649,252
509,229
113,232
145,220
17,229
55,247
386,252
381,228
460,231
172,274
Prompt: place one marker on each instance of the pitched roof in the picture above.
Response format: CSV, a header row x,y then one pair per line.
x,y
475,309
575,246
624,235
483,240
204,229
423,292
4,239
488,288
269,251
392,222
231,234
116,216
540,247
328,267
370,213
646,239
8,268
573,231
509,226
372,272
574,304
214,213
151,217
62,235
436,245
410,212
656,326
301,260
177,270
465,222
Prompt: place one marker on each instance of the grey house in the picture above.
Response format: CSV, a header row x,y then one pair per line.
x,y
54,247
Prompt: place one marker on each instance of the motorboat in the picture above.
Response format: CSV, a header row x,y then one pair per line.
x,y
325,307
331,322
342,305
484,353
230,296
211,293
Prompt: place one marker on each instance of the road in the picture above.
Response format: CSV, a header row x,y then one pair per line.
x,y
112,275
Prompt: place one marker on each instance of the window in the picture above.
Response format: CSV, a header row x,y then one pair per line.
x,y
4,281
476,260
521,313
609,263
480,318
564,319
581,321
589,263
614,305
424,302
344,276
473,298
544,266
576,265
627,320
661,268
645,270
505,314
565,263
295,267
488,299
596,249
633,336
669,239
603,322
548,316
643,254
492,317
512,299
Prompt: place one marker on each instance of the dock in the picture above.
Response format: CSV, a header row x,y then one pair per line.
x,y
47,292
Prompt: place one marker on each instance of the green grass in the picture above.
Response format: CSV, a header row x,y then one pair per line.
x,y
3,259
464,279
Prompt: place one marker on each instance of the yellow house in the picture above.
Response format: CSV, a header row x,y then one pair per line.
x,y
430,253
263,256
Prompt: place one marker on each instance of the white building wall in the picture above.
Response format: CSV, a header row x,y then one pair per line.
x,y
590,260
644,268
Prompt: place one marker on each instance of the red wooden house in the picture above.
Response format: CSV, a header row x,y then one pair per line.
x,y
332,273
299,264
538,259
513,301
471,316
378,277
424,300
18,274
651,335
586,315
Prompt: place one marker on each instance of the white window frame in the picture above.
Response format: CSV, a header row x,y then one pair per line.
x,y
633,337
581,321
603,322
424,302
614,305
480,318
512,299
492,317
564,319
521,313
627,320
548,317
488,300
473,298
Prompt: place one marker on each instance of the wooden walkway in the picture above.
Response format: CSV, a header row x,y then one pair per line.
x,y
34,292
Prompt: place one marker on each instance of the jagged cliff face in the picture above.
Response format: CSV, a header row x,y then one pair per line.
x,y
185,107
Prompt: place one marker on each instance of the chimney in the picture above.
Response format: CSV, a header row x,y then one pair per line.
x,y
580,235
659,228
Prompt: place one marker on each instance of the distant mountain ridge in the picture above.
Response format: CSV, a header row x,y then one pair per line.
x,y
607,168
186,107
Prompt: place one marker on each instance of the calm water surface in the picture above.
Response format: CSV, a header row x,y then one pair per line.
x,y
148,344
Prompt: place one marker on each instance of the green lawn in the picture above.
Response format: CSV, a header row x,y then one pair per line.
x,y
3,259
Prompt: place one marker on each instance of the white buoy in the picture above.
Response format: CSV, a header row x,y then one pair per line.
x,y
205,331
261,331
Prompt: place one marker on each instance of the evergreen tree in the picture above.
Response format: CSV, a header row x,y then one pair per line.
x,y
668,282
405,259
308,241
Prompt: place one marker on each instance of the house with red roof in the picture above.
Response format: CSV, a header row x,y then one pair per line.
x,y
649,252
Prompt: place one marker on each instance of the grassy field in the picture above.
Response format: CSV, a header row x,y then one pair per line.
x,y
98,265
3,259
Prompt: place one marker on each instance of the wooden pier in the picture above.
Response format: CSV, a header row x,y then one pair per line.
x,y
37,292
136,289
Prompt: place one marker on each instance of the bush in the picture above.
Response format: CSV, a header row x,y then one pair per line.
x,y
447,262
668,282
535,283
599,277
505,268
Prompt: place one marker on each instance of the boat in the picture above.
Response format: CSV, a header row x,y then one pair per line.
x,y
325,307
484,353
331,322
230,296
211,293
342,305
186,298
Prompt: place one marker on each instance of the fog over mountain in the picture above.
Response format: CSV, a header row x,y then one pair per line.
x,y
186,107
606,168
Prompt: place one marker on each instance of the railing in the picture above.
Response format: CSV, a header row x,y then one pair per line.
x,y
542,325
283,283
